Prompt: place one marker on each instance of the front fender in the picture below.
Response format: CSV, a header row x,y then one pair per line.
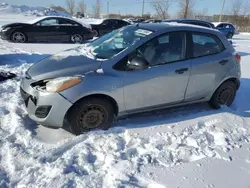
x,y
106,84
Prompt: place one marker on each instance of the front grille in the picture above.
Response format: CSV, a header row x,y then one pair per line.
x,y
25,96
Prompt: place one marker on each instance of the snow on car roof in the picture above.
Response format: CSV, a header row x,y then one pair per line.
x,y
92,21
44,17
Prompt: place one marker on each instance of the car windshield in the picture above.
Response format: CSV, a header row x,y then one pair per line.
x,y
113,43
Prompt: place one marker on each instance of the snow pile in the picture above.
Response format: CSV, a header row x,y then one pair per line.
x,y
91,20
105,159
30,11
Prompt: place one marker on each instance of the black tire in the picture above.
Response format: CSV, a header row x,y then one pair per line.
x,y
18,37
77,38
96,33
230,35
224,95
91,114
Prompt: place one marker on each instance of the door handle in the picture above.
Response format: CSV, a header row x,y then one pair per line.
x,y
181,71
223,62
57,27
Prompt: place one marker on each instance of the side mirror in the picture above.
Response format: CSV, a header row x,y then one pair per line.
x,y
138,63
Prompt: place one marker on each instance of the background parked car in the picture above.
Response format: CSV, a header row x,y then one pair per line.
x,y
47,29
227,28
80,15
193,22
152,21
107,25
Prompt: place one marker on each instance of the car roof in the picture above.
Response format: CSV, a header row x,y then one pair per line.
x,y
113,19
45,17
193,20
188,20
172,20
179,26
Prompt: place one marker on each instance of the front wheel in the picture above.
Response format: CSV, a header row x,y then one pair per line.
x,y
224,95
91,114
18,37
76,38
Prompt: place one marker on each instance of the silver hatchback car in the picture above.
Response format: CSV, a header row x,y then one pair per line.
x,y
134,69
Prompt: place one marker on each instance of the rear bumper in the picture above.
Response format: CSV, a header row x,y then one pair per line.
x,y
89,36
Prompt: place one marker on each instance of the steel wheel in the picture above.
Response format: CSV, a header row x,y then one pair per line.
x,y
76,38
92,117
224,95
18,37
90,114
95,33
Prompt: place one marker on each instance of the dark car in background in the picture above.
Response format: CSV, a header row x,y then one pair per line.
x,y
192,22
227,28
153,21
107,26
47,29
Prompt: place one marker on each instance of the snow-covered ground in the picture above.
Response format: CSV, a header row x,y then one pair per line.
x,y
25,10
185,147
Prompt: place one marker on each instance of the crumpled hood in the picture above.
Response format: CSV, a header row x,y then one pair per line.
x,y
67,63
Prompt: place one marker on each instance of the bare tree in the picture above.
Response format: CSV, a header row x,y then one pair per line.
x,y
246,8
58,8
96,9
202,15
186,8
240,7
71,5
161,7
236,7
81,6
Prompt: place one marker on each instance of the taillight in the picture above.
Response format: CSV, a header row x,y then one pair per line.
x,y
90,30
238,57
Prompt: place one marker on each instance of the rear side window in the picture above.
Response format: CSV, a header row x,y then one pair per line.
x,y
220,26
65,22
48,22
206,44
110,22
122,23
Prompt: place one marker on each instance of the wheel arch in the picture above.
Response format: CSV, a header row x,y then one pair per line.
x,y
232,79
11,34
103,96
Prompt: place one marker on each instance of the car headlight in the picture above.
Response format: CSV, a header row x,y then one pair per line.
x,y
58,84
6,29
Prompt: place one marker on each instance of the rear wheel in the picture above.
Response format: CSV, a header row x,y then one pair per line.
x,y
224,95
96,33
76,38
91,114
230,35
18,37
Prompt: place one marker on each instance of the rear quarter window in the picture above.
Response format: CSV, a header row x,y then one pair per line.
x,y
206,44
